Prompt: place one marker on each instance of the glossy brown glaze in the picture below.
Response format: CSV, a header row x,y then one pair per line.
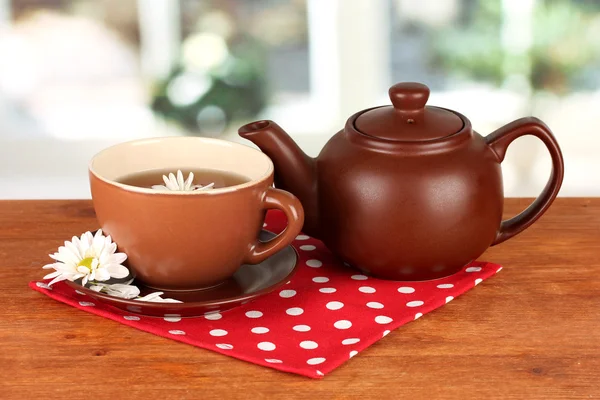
x,y
403,207
183,241
248,283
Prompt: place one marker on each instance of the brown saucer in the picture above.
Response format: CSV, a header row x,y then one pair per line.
x,y
248,283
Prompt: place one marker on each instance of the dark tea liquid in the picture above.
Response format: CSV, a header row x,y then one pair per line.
x,y
221,179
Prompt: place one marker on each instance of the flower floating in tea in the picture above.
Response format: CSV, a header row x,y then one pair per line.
x,y
94,260
178,184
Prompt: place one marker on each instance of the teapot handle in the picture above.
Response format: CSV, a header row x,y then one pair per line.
x,y
499,141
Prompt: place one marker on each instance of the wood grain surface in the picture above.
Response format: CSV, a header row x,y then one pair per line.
x,y
530,332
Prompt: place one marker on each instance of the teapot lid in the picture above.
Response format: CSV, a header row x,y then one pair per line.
x,y
408,119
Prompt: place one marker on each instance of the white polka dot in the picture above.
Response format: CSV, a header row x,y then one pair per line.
x,y
499,269
478,281
449,299
294,311
131,318
327,290
307,247
266,346
218,332
259,330
314,263
342,324
265,225
315,361
350,341
418,315
43,285
353,353
286,294
320,373
445,286
382,319
367,289
213,316
177,332
224,346
385,333
273,360
254,314
320,279
309,345
302,237
359,277
334,305
374,304
301,328
406,289
86,304
172,318
473,269
415,303
80,292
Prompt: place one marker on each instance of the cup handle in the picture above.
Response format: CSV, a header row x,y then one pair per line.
x,y
290,205
499,141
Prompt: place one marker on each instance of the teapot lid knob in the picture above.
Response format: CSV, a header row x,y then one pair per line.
x,y
408,118
409,96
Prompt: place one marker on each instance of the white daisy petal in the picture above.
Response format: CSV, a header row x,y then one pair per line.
x,y
189,181
86,239
57,279
73,248
98,243
180,181
84,280
151,296
80,246
117,271
52,275
118,258
209,186
123,291
159,187
102,274
70,268
48,266
172,182
167,300
83,270
67,256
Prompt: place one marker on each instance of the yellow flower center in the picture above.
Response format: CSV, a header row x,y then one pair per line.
x,y
86,262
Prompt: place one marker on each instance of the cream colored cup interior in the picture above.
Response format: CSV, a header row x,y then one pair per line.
x,y
183,153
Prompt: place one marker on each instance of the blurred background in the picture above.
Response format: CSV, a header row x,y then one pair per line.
x,y
80,75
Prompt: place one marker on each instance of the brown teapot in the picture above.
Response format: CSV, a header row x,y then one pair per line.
x,y
408,191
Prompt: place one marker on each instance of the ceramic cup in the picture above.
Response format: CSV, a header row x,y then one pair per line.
x,y
189,240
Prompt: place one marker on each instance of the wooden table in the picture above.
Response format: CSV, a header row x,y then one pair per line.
x,y
530,332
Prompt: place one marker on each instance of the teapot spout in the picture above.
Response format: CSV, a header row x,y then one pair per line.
x,y
294,170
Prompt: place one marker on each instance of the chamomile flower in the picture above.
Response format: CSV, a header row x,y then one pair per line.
x,y
178,184
90,257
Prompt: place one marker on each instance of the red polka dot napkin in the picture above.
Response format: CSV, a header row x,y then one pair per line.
x,y
326,315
